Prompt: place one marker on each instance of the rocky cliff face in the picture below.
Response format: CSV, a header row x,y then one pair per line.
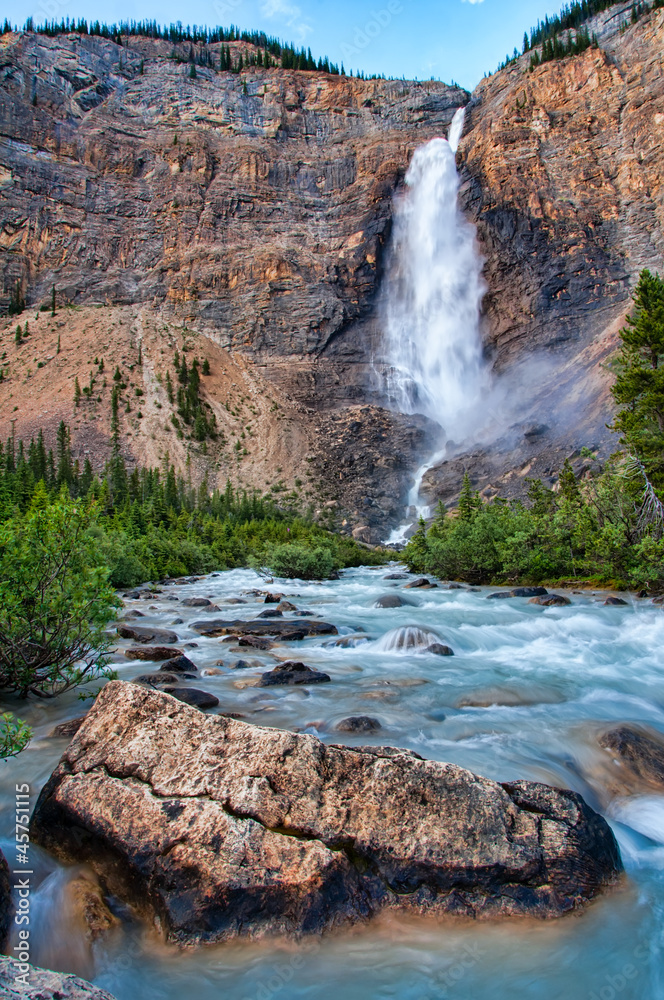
x,y
562,173
253,211
259,204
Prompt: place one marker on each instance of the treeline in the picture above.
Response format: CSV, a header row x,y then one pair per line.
x,y
271,51
565,34
152,523
607,527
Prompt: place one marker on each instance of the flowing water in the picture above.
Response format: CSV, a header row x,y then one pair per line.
x,y
525,696
434,290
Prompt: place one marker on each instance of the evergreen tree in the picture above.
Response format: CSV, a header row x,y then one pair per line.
x,y
65,469
569,487
639,385
469,500
53,301
77,392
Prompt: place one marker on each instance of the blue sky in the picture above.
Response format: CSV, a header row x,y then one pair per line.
x,y
456,40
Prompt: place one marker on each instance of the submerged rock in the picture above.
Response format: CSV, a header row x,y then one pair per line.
x,y
528,592
551,601
391,601
408,637
396,576
68,728
255,641
192,696
86,904
162,677
641,751
145,634
45,985
292,672
439,649
271,613
359,724
152,652
217,828
617,601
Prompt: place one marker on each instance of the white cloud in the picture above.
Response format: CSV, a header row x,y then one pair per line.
x,y
292,15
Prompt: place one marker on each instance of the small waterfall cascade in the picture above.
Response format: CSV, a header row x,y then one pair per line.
x,y
434,291
407,639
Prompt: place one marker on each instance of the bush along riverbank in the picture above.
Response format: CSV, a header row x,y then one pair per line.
x,y
68,538
607,528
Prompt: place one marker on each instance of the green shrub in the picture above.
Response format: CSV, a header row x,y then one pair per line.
x,y
55,599
297,562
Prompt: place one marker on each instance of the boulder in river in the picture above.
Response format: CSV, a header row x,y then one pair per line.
x,y
192,696
6,904
292,672
255,641
271,613
358,724
551,601
420,582
407,638
196,602
271,598
161,677
152,652
396,576
180,665
216,828
641,751
528,592
42,984
617,601
391,601
145,634
440,649
286,630
286,606
499,595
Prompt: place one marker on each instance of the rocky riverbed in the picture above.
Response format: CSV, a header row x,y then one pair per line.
x,y
532,695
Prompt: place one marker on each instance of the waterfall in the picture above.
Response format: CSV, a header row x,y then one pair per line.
x,y
435,287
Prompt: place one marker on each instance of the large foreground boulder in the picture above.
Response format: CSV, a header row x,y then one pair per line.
x,y
216,828
42,984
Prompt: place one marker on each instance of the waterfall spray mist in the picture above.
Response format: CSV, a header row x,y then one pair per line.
x,y
434,292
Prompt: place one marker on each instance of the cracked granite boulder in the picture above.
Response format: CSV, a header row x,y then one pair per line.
x,y
214,828
42,984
